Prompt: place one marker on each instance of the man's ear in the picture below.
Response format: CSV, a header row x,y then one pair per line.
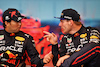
x,y
71,22
6,23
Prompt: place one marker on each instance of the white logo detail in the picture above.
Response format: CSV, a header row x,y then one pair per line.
x,y
3,41
94,40
75,49
13,48
33,41
87,29
19,18
27,35
7,18
67,17
95,31
65,36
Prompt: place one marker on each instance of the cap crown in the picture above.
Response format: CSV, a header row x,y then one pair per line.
x,y
12,14
70,14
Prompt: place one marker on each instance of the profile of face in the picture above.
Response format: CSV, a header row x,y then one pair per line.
x,y
65,26
13,26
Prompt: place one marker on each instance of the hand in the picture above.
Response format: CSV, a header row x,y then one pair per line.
x,y
48,57
61,60
51,37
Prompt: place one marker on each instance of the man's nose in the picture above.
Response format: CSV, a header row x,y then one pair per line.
x,y
60,24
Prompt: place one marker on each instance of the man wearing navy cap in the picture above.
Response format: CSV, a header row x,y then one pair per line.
x,y
15,45
79,47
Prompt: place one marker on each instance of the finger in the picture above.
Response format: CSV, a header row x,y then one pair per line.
x,y
46,36
47,39
47,60
58,63
46,32
51,56
47,57
50,52
53,34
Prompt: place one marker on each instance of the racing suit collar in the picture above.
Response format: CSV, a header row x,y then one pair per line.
x,y
80,31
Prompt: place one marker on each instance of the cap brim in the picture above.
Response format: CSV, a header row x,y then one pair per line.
x,y
20,18
60,18
23,17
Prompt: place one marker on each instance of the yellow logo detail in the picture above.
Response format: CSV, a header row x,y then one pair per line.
x,y
19,38
11,55
8,52
94,37
83,35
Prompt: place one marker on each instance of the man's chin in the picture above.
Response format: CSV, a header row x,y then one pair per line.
x,y
63,32
17,31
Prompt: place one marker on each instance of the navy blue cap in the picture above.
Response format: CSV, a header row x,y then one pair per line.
x,y
69,14
12,14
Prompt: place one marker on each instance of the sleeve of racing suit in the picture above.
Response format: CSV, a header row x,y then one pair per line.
x,y
58,50
55,53
88,52
32,53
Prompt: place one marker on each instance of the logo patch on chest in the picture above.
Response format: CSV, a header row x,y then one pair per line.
x,y
19,38
1,37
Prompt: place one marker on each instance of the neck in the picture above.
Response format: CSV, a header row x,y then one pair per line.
x,y
75,29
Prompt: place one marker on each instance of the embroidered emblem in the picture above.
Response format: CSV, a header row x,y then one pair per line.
x,y
19,38
12,34
11,55
94,37
1,37
83,35
69,40
76,34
